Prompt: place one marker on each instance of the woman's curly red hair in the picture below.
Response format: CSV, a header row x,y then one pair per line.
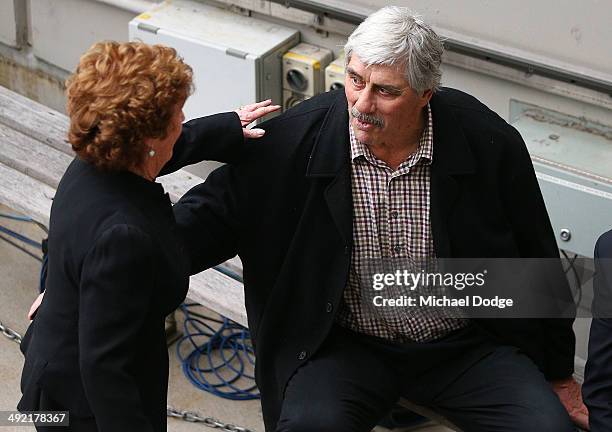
x,y
120,94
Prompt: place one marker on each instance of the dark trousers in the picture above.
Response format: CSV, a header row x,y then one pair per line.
x,y
76,424
478,385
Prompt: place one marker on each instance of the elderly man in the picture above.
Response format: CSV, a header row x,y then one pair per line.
x,y
392,167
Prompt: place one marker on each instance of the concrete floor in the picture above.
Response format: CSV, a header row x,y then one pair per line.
x,y
19,273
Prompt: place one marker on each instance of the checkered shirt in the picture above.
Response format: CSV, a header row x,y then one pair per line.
x,y
391,220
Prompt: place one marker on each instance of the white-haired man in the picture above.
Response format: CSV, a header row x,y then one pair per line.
x,y
392,167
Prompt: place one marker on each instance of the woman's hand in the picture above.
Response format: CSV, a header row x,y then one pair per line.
x,y
35,305
249,113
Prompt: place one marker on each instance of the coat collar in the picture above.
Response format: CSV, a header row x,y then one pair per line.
x,y
146,195
452,158
331,151
451,152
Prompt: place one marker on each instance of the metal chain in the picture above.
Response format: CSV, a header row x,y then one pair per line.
x,y
187,416
10,333
192,417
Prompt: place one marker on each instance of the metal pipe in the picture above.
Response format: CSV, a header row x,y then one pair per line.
x,y
468,49
136,6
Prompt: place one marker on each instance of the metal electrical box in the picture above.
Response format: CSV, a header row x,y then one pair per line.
x,y
572,158
236,60
303,73
334,74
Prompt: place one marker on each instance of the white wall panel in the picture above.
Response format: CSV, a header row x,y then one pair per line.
x,y
578,33
8,29
63,29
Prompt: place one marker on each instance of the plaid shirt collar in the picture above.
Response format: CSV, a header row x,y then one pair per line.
x,y
423,155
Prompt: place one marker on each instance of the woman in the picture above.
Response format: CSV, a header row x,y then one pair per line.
x,y
97,346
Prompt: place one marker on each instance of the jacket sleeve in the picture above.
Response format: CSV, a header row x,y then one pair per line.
x,y
535,238
208,218
217,137
597,388
115,287
525,205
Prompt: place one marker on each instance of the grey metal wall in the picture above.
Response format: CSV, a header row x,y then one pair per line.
x,y
566,32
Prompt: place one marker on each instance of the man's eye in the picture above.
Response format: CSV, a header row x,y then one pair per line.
x,y
388,92
356,80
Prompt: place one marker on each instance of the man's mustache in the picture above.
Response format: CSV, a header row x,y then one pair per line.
x,y
367,118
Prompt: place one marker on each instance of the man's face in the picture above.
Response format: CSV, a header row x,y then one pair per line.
x,y
382,106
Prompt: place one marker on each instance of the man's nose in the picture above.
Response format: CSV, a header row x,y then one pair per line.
x,y
365,101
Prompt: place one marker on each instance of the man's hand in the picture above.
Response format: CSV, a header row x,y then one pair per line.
x,y
35,305
249,113
570,394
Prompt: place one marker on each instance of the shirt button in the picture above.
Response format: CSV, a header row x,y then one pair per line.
x,y
394,214
302,355
397,249
329,307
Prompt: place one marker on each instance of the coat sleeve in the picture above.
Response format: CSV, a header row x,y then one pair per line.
x,y
217,137
115,287
208,218
597,388
535,238
525,205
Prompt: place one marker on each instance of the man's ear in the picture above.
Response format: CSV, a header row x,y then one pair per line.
x,y
426,96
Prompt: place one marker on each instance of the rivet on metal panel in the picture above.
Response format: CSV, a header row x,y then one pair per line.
x,y
565,234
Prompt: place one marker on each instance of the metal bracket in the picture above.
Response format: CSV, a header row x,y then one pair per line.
x,y
148,27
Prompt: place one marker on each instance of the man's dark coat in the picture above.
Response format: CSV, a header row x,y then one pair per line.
x,y
287,211
597,387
